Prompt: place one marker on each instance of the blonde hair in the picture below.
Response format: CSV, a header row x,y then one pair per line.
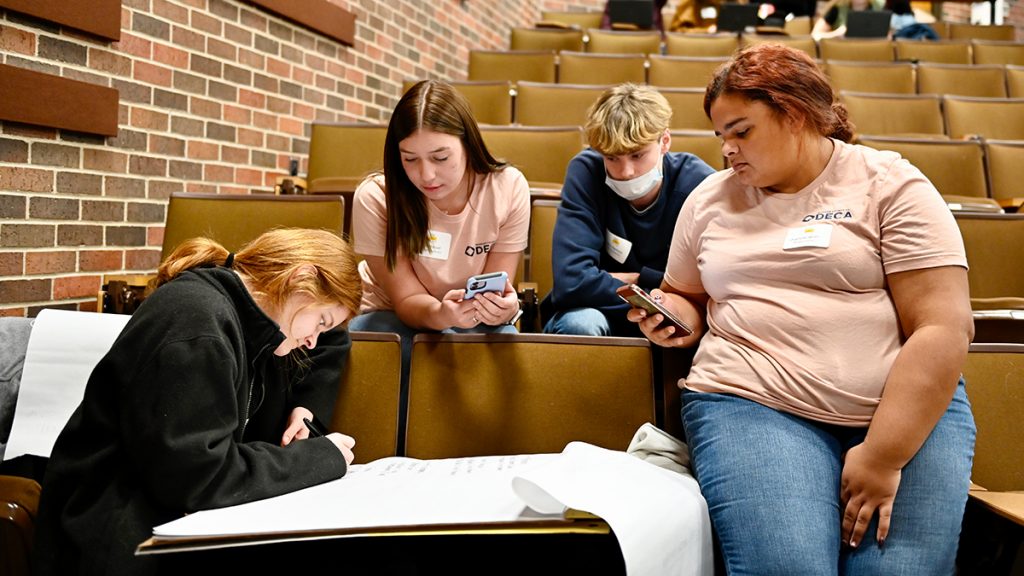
x,y
271,264
626,118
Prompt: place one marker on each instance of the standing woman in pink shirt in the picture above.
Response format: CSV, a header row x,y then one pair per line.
x,y
827,284
444,209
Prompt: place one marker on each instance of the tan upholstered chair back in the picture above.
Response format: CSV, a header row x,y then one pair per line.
x,y
531,66
476,394
543,214
235,219
995,385
995,249
955,167
368,398
542,153
895,114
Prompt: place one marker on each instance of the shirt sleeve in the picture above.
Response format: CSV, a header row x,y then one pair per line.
x,y
513,233
917,229
369,217
683,270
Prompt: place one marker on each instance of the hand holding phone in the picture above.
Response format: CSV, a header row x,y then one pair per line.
x,y
491,282
638,298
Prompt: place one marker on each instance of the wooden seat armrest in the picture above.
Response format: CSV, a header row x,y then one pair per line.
x,y
971,204
19,501
999,303
1011,203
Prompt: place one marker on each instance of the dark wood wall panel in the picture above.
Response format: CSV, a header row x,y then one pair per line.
x,y
47,100
99,17
319,15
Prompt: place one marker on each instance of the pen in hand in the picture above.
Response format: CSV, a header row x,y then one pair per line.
x,y
314,430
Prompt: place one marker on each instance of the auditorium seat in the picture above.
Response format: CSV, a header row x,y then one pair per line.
x,y
513,66
546,39
1005,159
961,79
1015,81
623,42
490,101
895,114
494,394
856,49
967,31
604,69
993,52
582,20
235,219
543,213
943,51
955,167
367,404
341,155
995,249
994,375
997,118
542,153
805,43
701,143
683,71
687,108
542,104
799,26
701,45
877,77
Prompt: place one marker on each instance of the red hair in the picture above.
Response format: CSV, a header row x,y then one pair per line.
x,y
786,80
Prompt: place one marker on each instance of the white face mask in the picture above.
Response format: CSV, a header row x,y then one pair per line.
x,y
638,187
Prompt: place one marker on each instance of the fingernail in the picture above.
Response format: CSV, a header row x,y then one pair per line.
x,y
853,543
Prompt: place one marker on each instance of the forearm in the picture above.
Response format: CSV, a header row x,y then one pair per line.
x,y
423,311
917,392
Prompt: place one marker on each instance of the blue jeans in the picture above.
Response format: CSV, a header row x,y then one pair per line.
x,y
771,481
580,321
387,321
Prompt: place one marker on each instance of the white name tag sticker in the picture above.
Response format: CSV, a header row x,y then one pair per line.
x,y
617,247
439,245
810,236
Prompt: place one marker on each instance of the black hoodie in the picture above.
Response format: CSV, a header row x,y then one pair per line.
x,y
184,413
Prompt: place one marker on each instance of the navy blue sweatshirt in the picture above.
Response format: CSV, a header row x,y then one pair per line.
x,y
589,210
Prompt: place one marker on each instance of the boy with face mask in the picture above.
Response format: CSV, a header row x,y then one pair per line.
x,y
619,206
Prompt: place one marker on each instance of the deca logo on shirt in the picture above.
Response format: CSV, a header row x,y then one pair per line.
x,y
841,214
478,249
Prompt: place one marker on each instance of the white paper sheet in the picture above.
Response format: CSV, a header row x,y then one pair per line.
x,y
63,349
659,517
385,492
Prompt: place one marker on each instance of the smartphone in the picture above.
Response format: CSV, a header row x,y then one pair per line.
x,y
637,298
490,282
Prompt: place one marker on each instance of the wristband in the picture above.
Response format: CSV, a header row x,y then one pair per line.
x,y
516,316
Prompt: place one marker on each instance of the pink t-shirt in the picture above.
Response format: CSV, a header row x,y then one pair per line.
x,y
799,315
496,219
